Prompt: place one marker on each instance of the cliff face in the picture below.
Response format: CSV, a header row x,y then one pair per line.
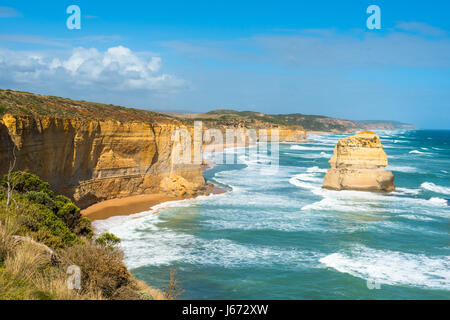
x,y
94,160
358,164
292,135
229,119
92,152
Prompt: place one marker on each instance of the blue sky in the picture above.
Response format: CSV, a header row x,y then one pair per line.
x,y
314,57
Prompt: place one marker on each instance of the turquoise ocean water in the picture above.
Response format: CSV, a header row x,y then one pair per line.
x,y
284,237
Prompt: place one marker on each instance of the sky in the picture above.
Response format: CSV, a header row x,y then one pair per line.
x,y
311,57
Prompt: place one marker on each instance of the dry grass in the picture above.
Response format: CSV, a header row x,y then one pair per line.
x,y
101,267
27,272
105,274
31,270
7,242
173,289
146,290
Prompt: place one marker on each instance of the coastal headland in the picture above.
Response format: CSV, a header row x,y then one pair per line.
x,y
93,152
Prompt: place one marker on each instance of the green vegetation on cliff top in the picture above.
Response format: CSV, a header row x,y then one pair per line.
x,y
43,234
16,102
25,103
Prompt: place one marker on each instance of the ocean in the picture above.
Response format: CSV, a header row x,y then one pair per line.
x,y
282,236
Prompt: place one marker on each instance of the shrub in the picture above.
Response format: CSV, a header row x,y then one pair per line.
x,y
24,182
41,223
107,240
70,214
61,200
84,228
101,268
61,206
27,272
41,197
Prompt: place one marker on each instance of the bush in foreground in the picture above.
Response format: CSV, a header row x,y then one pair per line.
x,y
41,235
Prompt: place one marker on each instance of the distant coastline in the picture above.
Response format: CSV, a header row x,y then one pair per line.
x,y
117,179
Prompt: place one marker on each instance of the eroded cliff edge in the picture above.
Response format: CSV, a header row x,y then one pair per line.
x,y
94,160
92,152
359,163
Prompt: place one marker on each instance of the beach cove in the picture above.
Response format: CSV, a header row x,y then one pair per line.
x,y
282,236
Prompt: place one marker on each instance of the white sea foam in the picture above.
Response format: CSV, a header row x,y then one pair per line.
x,y
392,268
438,201
226,253
134,219
407,169
297,181
308,177
311,180
345,201
309,148
329,140
419,152
340,205
360,201
407,191
389,226
310,155
316,169
150,239
147,243
315,155
416,217
435,188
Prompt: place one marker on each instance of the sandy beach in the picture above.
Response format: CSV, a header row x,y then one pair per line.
x,y
130,205
125,206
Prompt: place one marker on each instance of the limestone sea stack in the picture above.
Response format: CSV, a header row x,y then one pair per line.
x,y
359,163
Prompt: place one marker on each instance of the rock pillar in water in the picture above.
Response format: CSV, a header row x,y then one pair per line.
x,y
359,163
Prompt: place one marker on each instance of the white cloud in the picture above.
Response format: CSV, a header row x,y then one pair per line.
x,y
116,69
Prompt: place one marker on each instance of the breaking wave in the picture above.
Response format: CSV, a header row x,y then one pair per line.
x,y
435,188
392,267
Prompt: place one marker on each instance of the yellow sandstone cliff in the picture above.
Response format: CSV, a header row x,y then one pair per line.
x,y
92,152
93,160
358,164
